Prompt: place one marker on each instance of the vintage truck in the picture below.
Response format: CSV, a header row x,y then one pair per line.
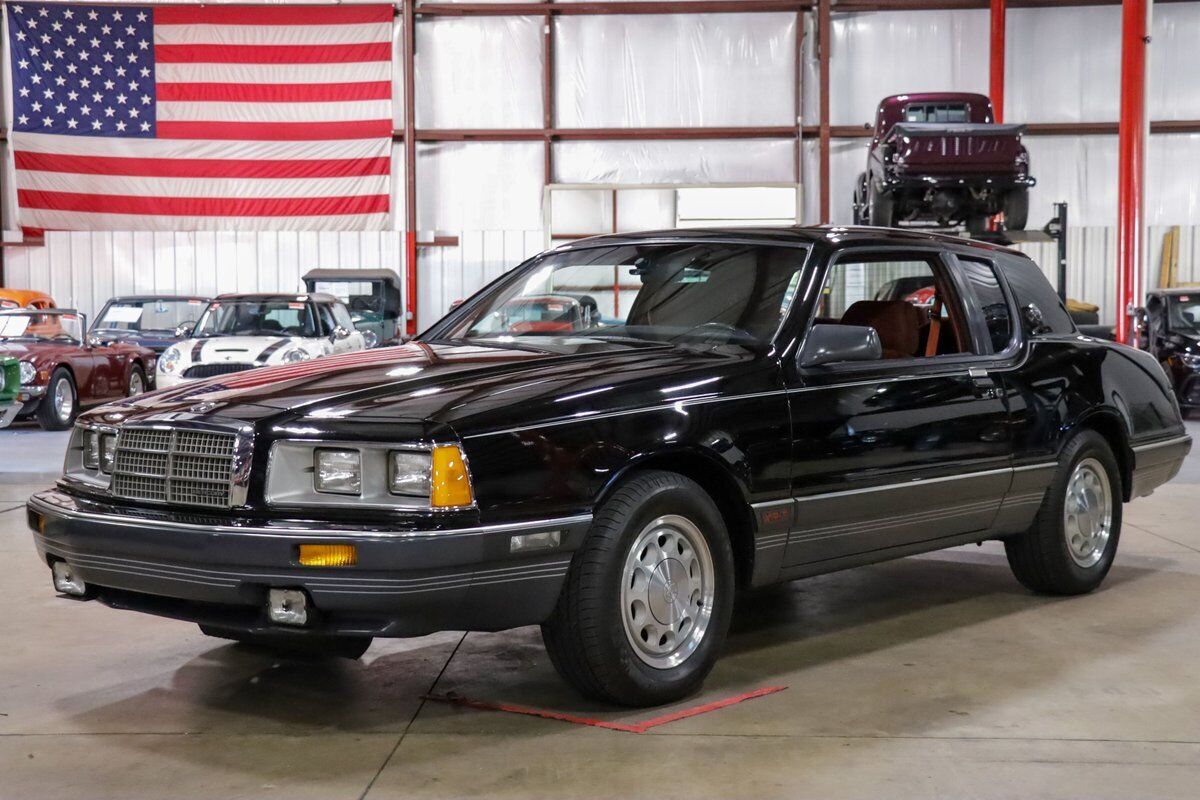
x,y
940,157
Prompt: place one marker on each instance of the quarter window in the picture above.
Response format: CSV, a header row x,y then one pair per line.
x,y
985,285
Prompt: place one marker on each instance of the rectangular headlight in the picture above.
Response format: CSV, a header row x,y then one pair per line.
x,y
337,471
91,450
409,473
108,451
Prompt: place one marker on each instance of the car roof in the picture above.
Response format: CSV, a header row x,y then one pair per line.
x,y
131,298
326,273
294,297
23,296
835,236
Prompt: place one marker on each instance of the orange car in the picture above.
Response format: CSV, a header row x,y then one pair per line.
x,y
24,298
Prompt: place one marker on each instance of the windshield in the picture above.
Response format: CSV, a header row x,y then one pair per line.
x,y
673,292
40,327
154,315
1185,313
257,318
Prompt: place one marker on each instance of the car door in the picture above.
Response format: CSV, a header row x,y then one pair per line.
x,y
908,450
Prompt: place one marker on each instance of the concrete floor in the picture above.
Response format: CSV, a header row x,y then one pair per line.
x,y
935,676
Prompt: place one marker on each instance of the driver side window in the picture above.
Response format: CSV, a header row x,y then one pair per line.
x,y
907,299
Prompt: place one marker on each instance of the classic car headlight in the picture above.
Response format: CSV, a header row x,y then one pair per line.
x,y
337,471
28,373
370,475
170,360
295,356
98,450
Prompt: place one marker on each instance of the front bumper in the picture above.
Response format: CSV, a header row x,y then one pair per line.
x,y
917,180
405,583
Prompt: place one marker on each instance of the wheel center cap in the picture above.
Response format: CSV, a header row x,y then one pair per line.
x,y
668,579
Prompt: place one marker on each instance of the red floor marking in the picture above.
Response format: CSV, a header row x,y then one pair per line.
x,y
637,727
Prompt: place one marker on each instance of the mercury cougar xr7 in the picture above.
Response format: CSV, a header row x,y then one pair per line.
x,y
750,414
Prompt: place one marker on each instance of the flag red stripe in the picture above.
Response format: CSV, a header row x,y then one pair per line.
x,y
204,206
202,167
273,15
272,53
276,131
275,92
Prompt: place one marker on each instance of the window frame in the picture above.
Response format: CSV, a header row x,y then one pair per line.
x,y
947,261
975,310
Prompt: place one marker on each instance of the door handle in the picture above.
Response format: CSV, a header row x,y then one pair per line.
x,y
983,384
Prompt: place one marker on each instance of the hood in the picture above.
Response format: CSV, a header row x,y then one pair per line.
x,y
157,341
468,387
241,349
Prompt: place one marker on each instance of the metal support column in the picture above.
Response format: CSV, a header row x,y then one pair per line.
x,y
1131,164
996,58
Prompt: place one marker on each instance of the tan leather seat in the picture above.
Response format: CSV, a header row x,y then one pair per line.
x,y
897,322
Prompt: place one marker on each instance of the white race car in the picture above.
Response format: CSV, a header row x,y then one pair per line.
x,y
242,331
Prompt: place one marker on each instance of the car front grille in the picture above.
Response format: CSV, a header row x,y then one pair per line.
x,y
175,465
212,370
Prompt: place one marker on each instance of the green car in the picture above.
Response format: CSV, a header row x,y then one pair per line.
x,y
372,295
10,384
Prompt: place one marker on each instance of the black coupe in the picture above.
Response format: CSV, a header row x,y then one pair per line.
x,y
747,413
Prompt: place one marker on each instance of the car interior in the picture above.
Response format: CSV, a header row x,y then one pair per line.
x,y
921,324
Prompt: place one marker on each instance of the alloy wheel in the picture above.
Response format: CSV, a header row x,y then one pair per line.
x,y
1088,512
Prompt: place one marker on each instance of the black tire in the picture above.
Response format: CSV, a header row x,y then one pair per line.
x,y
1041,557
977,223
293,645
881,207
1016,209
586,635
859,207
137,377
48,414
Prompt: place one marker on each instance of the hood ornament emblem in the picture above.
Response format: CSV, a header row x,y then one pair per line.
x,y
202,408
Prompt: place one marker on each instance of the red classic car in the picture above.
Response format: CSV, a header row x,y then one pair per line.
x,y
62,371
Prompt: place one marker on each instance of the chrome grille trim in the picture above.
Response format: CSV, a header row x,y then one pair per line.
x,y
181,464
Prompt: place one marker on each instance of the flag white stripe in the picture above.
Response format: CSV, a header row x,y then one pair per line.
x,y
198,111
355,72
273,34
191,149
138,185
79,220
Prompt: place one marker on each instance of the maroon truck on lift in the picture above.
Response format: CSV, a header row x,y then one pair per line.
x,y
940,157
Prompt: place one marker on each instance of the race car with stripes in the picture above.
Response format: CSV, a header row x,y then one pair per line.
x,y
238,332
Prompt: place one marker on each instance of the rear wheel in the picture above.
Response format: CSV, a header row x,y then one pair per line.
x,y
881,208
1073,540
1016,209
648,598
60,406
295,644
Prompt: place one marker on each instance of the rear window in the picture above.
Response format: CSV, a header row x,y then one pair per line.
x,y
935,112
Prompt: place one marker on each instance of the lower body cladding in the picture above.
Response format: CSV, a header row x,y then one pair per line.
x,y
249,579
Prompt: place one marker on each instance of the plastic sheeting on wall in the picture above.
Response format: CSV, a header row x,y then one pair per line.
x,y
479,185
675,69
663,161
479,72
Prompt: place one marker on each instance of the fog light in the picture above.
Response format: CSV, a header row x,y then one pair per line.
x,y
534,541
287,606
328,555
66,581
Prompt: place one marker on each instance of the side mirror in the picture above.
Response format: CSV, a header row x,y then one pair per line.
x,y
339,333
96,341
1141,327
184,329
828,344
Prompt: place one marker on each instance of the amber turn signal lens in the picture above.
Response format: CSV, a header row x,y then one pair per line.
x,y
451,483
328,555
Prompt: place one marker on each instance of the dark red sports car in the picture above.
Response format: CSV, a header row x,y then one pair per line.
x,y
62,371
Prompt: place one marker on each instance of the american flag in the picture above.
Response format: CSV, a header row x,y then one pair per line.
x,y
208,117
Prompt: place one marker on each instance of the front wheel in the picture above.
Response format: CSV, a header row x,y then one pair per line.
x,y
648,598
1073,540
137,382
60,406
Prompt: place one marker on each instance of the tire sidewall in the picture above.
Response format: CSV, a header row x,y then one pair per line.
x,y
691,502
136,371
1083,446
47,415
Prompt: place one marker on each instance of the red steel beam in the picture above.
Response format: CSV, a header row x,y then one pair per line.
x,y
410,169
824,31
996,59
1130,164
602,8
